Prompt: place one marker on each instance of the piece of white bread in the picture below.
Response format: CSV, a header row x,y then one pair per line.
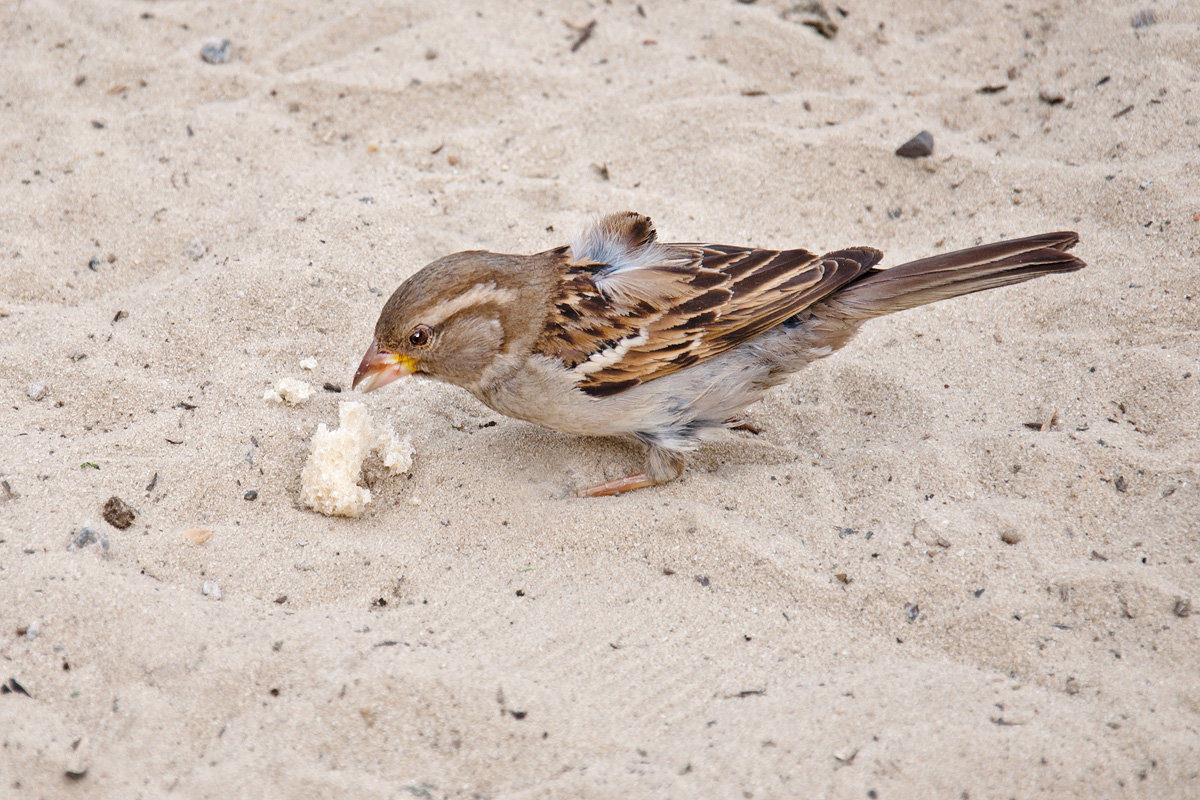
x,y
329,482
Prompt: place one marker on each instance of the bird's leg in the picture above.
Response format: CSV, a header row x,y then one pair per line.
x,y
662,466
626,484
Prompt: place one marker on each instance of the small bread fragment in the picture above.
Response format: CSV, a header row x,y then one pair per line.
x,y
329,482
290,391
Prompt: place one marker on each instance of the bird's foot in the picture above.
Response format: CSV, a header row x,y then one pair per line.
x,y
627,484
738,425
662,466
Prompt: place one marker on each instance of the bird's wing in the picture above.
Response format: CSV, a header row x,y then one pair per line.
x,y
630,310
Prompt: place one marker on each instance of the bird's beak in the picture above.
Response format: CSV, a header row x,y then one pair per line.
x,y
379,368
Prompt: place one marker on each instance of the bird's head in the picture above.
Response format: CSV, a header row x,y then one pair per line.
x,y
454,320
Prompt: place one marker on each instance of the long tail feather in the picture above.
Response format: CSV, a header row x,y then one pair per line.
x,y
883,291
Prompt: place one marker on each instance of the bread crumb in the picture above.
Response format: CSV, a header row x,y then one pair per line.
x,y
329,482
396,453
290,391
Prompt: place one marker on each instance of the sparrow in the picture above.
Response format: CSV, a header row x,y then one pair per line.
x,y
618,334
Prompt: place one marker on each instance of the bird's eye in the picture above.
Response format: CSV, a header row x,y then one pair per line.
x,y
420,336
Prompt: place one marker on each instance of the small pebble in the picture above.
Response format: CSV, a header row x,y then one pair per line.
x,y
32,630
216,51
198,535
250,495
118,513
919,146
79,759
211,589
37,391
1143,19
87,537
309,364
1182,608
813,14
195,249
1050,97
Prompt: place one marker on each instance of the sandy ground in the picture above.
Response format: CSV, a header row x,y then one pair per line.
x,y
899,589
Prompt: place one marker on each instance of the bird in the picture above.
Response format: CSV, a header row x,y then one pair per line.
x,y
619,334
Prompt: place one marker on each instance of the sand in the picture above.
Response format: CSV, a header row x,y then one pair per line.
x,y
898,589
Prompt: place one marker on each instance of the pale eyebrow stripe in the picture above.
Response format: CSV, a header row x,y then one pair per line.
x,y
477,295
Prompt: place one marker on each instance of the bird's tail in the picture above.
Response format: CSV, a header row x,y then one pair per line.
x,y
927,280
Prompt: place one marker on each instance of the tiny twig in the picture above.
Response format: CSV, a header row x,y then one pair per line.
x,y
585,33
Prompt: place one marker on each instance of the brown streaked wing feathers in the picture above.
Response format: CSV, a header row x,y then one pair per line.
x,y
711,298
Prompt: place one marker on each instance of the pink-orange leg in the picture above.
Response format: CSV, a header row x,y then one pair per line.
x,y
626,484
662,466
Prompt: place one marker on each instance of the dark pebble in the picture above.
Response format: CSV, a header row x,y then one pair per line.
x,y
1182,608
250,495
118,513
918,146
332,387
